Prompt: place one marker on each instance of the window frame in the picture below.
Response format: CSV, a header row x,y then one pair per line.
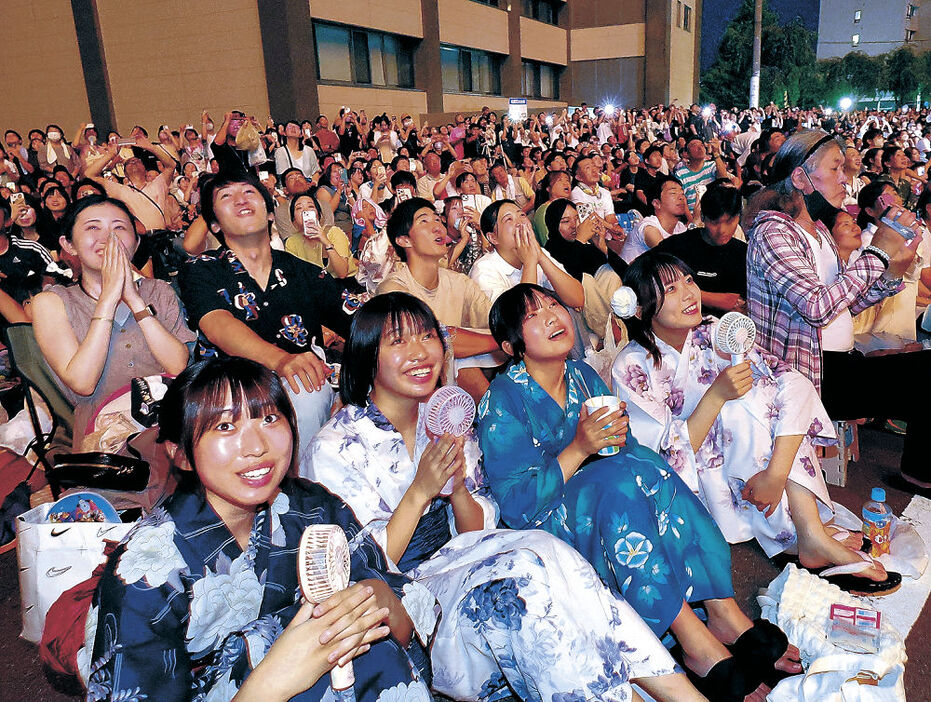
x,y
531,9
686,18
360,39
537,68
855,40
476,57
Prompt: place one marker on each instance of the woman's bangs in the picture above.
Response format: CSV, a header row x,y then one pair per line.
x,y
406,322
216,398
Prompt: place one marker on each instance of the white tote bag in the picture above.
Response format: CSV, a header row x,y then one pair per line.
x,y
54,558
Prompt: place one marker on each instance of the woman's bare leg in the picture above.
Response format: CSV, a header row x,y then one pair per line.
x,y
670,688
816,547
727,622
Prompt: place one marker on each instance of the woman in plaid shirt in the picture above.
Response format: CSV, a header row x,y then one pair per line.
x,y
802,297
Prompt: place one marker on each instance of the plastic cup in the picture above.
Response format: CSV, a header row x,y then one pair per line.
x,y
593,404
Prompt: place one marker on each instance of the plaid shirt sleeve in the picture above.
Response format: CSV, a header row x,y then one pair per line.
x,y
785,260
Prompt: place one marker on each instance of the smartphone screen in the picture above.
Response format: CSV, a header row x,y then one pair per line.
x,y
263,176
310,221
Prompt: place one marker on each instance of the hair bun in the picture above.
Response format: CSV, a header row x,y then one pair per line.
x,y
624,302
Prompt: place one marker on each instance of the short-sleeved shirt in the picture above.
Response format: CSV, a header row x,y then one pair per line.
x,y
311,250
599,198
19,264
718,269
456,300
494,275
298,298
692,179
147,204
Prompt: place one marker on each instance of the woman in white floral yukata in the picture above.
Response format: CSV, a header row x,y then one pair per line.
x,y
201,600
519,608
743,436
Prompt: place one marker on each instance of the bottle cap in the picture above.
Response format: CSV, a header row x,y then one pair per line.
x,y
878,495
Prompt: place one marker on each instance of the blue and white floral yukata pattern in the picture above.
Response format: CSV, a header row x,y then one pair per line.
x,y
183,614
782,402
646,534
518,608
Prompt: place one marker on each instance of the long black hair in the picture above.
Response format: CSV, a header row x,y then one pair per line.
x,y
648,276
506,319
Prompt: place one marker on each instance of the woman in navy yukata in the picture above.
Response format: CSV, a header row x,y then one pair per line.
x,y
201,601
629,514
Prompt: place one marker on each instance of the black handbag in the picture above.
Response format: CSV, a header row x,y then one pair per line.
x,y
105,471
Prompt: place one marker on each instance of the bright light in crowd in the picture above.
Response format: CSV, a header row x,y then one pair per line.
x,y
828,110
609,110
845,103
549,120
706,112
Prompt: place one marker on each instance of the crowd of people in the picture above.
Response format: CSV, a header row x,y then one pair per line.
x,y
305,286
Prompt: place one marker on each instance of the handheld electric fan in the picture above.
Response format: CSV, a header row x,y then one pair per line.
x,y
323,570
450,410
735,335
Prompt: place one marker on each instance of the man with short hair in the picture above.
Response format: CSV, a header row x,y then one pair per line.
x,y
718,259
418,236
588,191
326,139
247,299
696,170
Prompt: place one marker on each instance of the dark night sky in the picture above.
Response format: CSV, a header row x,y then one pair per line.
x,y
717,13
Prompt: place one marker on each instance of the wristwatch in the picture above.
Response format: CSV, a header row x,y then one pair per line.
x,y
147,311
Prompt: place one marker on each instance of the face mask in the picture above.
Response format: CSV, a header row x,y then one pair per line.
x,y
819,209
54,136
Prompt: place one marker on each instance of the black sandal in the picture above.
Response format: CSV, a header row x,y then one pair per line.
x,y
727,681
759,648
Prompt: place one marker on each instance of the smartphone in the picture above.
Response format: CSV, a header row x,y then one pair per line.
x,y
469,201
16,198
585,210
310,222
263,176
402,195
920,170
126,142
344,176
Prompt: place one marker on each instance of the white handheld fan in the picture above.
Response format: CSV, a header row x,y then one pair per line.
x,y
450,410
735,335
323,570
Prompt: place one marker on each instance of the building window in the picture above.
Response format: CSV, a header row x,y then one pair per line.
x,y
909,34
364,57
910,12
687,18
540,80
856,16
492,3
678,13
541,10
470,71
855,39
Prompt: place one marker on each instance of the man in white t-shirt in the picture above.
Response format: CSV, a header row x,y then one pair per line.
x,y
518,258
588,190
669,206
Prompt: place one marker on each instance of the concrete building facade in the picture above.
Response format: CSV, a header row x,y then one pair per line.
x,y
872,26
119,63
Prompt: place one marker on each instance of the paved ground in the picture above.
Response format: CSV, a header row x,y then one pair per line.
x,y
22,679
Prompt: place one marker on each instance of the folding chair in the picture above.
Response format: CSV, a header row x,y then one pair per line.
x,y
29,364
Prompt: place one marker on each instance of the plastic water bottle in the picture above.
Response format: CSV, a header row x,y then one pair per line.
x,y
877,522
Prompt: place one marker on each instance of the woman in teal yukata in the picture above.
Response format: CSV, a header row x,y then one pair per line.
x,y
629,514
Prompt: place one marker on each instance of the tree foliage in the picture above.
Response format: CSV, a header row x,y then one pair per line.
x,y
791,74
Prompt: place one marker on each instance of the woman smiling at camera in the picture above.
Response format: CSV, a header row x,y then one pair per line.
x,y
201,600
